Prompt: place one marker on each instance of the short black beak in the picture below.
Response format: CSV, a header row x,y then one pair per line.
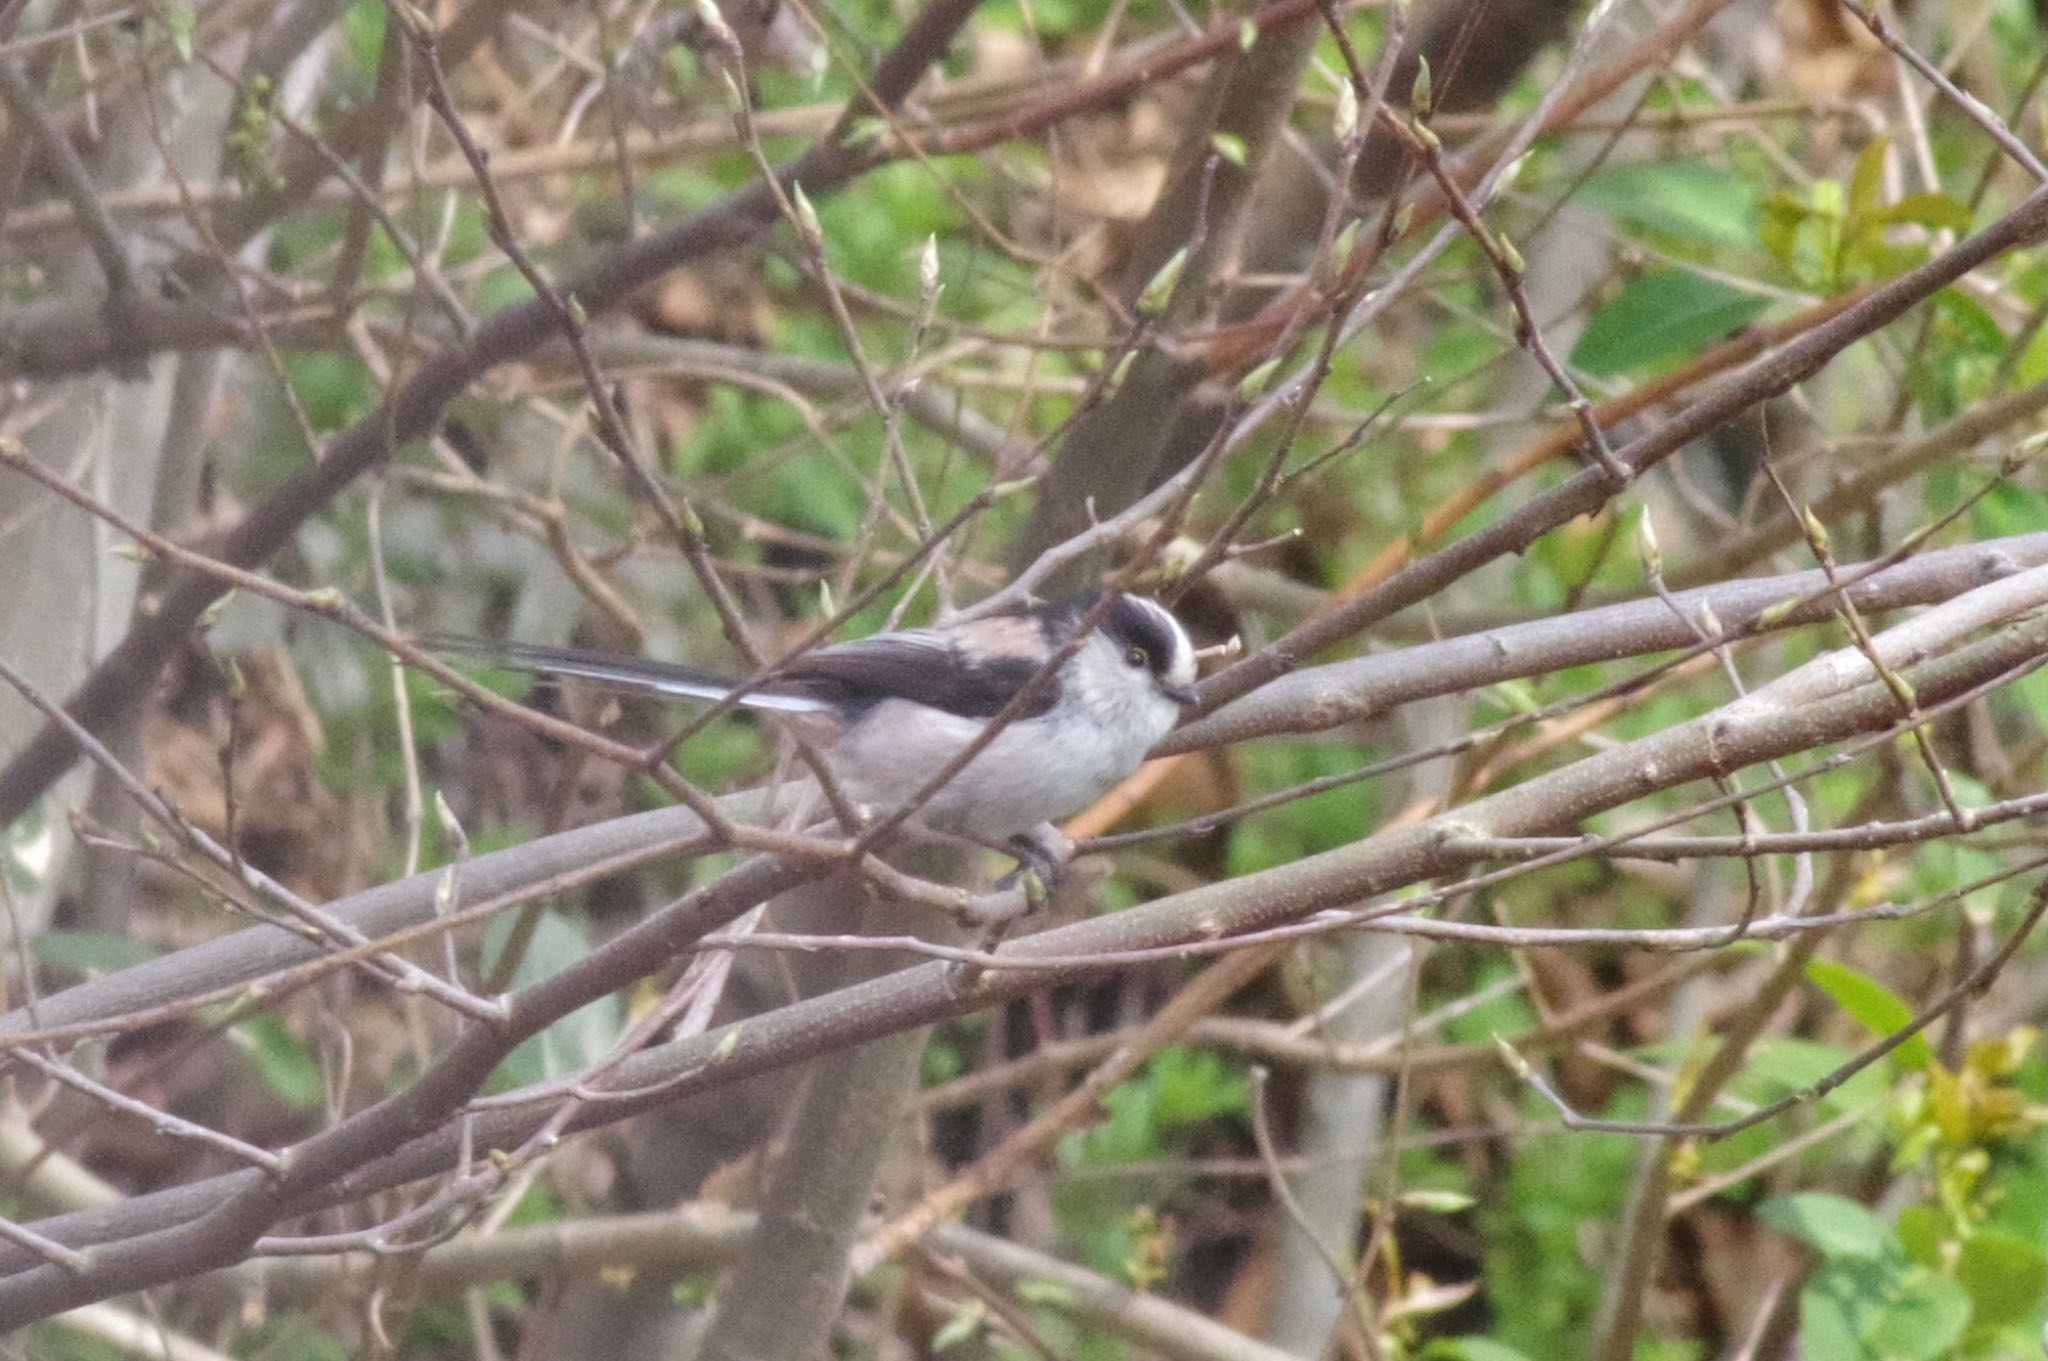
x,y
1183,695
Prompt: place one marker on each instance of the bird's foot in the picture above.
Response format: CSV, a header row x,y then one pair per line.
x,y
1042,855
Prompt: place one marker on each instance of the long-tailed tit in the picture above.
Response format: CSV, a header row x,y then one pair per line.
x,y
890,711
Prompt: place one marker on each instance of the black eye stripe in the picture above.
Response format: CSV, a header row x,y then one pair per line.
x,y
1139,626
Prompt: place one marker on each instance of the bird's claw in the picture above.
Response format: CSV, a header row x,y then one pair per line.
x,y
1042,856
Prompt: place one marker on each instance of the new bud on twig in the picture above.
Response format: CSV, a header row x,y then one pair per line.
x,y
1816,532
1511,259
1347,112
1421,96
806,215
451,826
1253,383
1346,242
1647,547
1517,1065
1154,298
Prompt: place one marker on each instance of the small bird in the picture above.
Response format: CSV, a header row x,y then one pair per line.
x,y
889,711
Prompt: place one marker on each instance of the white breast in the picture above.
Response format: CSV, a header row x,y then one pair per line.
x,y
1035,770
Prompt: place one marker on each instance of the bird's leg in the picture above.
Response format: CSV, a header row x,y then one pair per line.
x,y
1042,853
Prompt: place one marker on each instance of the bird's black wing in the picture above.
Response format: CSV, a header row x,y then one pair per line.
x,y
920,665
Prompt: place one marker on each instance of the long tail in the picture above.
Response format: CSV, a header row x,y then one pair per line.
x,y
633,674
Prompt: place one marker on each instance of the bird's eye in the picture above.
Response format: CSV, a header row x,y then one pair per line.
x,y
1138,658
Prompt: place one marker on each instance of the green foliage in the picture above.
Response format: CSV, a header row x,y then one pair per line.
x,y
1049,19
89,953
1955,1119
1881,1010
1692,206
247,144
292,1336
362,27
578,1039
287,1067
1311,824
722,754
1540,1286
54,1342
1943,1281
333,390
1840,235
1179,1088
1119,1227
1865,1301
1474,1348
1661,316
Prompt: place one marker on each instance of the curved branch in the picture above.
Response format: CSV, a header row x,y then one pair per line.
x,y
1829,700
1318,697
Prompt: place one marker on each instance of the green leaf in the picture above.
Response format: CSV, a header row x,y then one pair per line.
x,y
1783,215
1516,696
1690,200
1929,210
1470,1349
1661,315
90,953
1193,1085
1881,1011
964,1324
1920,1228
1866,181
578,1039
2005,1276
1832,1308
1044,1290
1154,297
1923,1317
1833,1226
286,1066
1789,1064
182,21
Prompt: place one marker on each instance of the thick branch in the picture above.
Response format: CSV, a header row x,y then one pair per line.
x,y
1325,697
224,1232
1313,699
1826,701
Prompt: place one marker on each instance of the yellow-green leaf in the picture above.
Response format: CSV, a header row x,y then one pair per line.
x,y
1877,1007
